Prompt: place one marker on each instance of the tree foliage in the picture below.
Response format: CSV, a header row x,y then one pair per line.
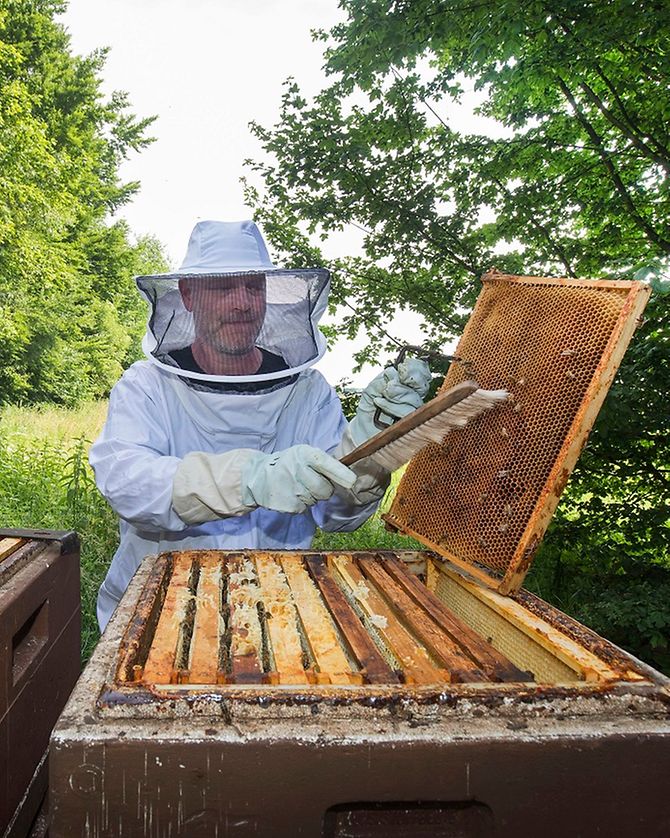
x,y
570,178
574,182
69,316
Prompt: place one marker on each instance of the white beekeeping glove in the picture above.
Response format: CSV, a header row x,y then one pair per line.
x,y
292,480
396,392
211,486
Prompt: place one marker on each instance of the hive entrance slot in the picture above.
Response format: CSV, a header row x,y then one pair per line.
x,y
29,640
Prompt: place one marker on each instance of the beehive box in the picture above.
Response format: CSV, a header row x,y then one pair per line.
x,y
39,662
389,693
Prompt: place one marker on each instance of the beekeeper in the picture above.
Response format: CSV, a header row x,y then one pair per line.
x,y
226,437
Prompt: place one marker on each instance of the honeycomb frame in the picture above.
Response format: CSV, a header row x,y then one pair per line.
x,y
484,497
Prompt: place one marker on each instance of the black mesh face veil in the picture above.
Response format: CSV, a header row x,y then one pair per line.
x,y
244,326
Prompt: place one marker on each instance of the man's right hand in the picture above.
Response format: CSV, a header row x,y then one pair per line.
x,y
395,392
292,480
211,486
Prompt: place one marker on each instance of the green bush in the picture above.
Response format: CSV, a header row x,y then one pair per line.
x,y
627,602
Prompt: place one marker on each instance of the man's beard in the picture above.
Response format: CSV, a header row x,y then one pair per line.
x,y
226,344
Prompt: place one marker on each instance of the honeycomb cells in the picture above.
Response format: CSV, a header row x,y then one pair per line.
x,y
479,494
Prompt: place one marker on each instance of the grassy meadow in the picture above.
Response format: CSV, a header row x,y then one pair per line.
x,y
46,483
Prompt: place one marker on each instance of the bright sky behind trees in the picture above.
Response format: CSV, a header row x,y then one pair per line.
x,y
205,68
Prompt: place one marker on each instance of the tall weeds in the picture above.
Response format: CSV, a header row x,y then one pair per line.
x,y
48,485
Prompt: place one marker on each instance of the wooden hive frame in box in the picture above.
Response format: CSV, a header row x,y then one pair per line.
x,y
356,693
296,618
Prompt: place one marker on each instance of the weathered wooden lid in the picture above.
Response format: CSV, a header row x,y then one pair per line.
x,y
485,496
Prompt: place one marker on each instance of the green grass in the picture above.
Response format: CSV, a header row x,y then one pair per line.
x,y
373,535
46,483
49,422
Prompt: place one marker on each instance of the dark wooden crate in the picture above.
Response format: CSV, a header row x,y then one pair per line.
x,y
39,661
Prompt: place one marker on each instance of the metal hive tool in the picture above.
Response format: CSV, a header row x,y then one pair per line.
x,y
486,495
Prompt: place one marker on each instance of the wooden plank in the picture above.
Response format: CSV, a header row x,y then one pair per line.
x,y
620,284
492,662
437,641
135,636
417,666
564,648
159,668
375,669
9,545
246,632
432,575
483,576
208,626
282,621
320,632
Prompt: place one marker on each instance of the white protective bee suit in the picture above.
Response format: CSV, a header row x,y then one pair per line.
x,y
192,460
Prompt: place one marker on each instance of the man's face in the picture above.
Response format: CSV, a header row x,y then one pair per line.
x,y
228,312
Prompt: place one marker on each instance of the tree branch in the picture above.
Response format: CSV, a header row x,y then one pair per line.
x,y
558,250
618,184
634,132
660,159
397,207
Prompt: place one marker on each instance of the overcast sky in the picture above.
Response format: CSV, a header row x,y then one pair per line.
x,y
206,68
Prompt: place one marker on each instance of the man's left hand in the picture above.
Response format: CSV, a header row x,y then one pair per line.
x,y
395,392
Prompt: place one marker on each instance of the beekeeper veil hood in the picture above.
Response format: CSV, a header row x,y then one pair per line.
x,y
229,315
